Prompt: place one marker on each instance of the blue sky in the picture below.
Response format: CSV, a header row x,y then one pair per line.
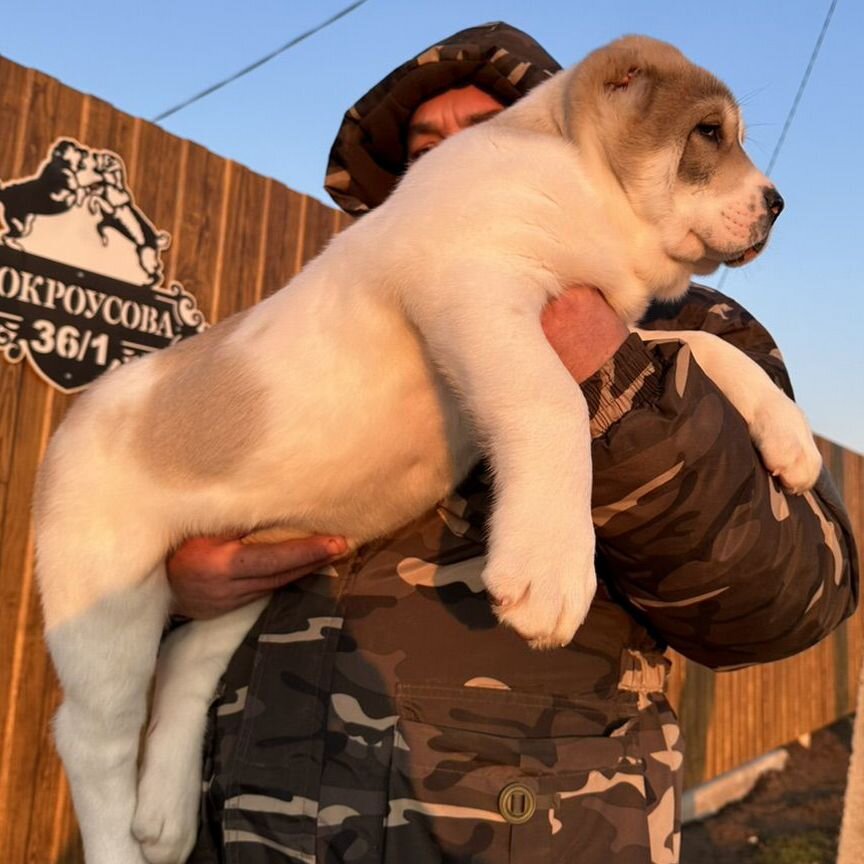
x,y
280,120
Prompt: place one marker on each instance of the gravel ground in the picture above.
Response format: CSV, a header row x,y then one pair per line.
x,y
790,817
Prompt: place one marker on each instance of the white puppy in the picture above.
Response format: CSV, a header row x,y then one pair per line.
x,y
356,397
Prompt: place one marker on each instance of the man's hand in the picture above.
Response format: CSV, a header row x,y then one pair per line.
x,y
213,575
584,331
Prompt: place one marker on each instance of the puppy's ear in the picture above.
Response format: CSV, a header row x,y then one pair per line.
x,y
628,84
628,70
623,82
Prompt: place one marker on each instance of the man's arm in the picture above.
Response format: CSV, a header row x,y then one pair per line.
x,y
694,534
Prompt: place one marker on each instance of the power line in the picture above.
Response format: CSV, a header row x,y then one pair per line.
x,y
794,108
801,87
260,62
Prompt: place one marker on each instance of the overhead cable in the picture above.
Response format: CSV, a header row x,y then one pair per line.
x,y
260,62
794,108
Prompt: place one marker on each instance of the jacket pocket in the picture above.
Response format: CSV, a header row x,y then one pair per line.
x,y
497,776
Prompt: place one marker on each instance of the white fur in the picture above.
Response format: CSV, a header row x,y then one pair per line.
x,y
354,400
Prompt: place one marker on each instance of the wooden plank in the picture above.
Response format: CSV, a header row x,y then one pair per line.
x,y
853,494
263,227
228,179
697,708
16,93
832,455
753,708
198,232
16,89
43,836
10,381
240,277
675,682
52,112
283,253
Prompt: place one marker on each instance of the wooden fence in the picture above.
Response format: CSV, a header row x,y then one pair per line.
x,y
236,236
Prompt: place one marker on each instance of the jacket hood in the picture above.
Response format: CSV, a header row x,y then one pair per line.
x,y
369,154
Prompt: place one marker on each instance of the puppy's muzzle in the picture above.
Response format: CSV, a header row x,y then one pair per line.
x,y
774,203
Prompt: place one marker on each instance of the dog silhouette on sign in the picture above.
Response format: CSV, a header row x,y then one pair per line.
x,y
55,189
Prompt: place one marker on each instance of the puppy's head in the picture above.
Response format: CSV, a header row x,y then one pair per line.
x,y
672,135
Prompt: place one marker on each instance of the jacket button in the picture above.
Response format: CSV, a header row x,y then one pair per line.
x,y
516,803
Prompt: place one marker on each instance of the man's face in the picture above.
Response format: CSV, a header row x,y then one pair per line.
x,y
445,115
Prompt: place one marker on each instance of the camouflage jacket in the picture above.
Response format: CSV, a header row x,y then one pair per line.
x,y
376,713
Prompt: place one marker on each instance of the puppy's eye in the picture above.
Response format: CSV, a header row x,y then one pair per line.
x,y
711,131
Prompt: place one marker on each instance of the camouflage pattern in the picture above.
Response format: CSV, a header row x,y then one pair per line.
x,y
377,713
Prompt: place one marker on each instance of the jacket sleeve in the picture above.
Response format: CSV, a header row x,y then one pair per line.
x,y
694,535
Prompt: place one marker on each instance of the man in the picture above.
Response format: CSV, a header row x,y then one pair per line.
x,y
384,716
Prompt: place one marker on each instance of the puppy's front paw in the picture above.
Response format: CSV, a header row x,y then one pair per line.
x,y
544,598
166,819
782,434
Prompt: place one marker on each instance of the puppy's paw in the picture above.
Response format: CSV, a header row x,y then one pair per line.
x,y
544,601
166,818
782,434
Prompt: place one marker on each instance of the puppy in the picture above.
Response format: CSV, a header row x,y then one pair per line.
x,y
410,344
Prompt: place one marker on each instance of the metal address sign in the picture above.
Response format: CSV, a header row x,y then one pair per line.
x,y
81,287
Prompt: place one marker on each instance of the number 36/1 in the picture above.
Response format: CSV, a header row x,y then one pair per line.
x,y
69,342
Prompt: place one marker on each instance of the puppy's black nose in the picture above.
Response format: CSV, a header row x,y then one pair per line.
x,y
773,201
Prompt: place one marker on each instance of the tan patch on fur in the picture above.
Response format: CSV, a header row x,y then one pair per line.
x,y
205,412
646,97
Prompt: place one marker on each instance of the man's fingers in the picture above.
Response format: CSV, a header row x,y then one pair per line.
x,y
278,562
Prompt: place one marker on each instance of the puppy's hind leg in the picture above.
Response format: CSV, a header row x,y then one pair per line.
x,y
191,662
105,658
